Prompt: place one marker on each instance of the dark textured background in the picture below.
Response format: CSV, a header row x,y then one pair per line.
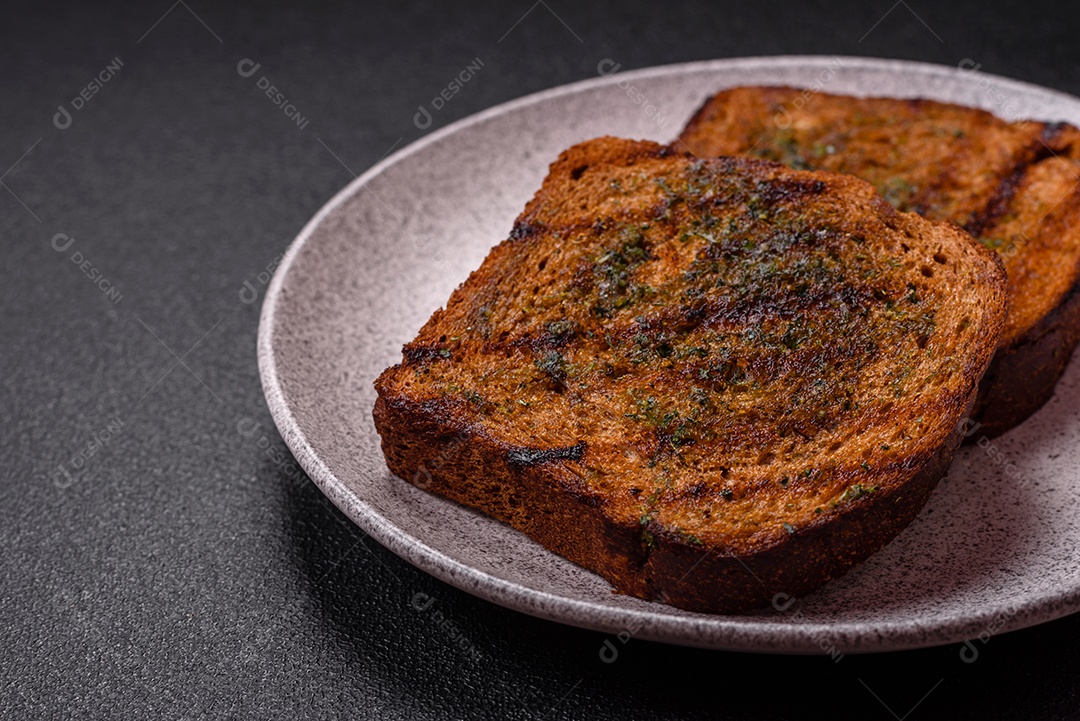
x,y
185,569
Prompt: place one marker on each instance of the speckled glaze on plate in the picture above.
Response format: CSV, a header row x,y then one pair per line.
x,y
994,551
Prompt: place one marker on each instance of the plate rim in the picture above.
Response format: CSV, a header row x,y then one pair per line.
x,y
711,631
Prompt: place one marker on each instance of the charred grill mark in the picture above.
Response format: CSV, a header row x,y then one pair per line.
x,y
1051,134
553,366
555,335
539,345
525,457
591,226
421,354
743,311
764,366
445,408
523,229
1000,200
690,316
659,329
790,190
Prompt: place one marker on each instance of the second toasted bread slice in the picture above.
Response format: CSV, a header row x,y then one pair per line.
x,y
1013,186
708,381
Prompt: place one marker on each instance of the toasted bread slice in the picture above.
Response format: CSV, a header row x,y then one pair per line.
x,y
708,381
1013,186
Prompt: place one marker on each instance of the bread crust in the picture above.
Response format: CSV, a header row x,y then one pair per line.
x,y
1023,375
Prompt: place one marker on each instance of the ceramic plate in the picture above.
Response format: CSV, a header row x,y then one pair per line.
x,y
995,549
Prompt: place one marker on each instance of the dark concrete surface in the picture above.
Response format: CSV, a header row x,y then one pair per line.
x,y
157,563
